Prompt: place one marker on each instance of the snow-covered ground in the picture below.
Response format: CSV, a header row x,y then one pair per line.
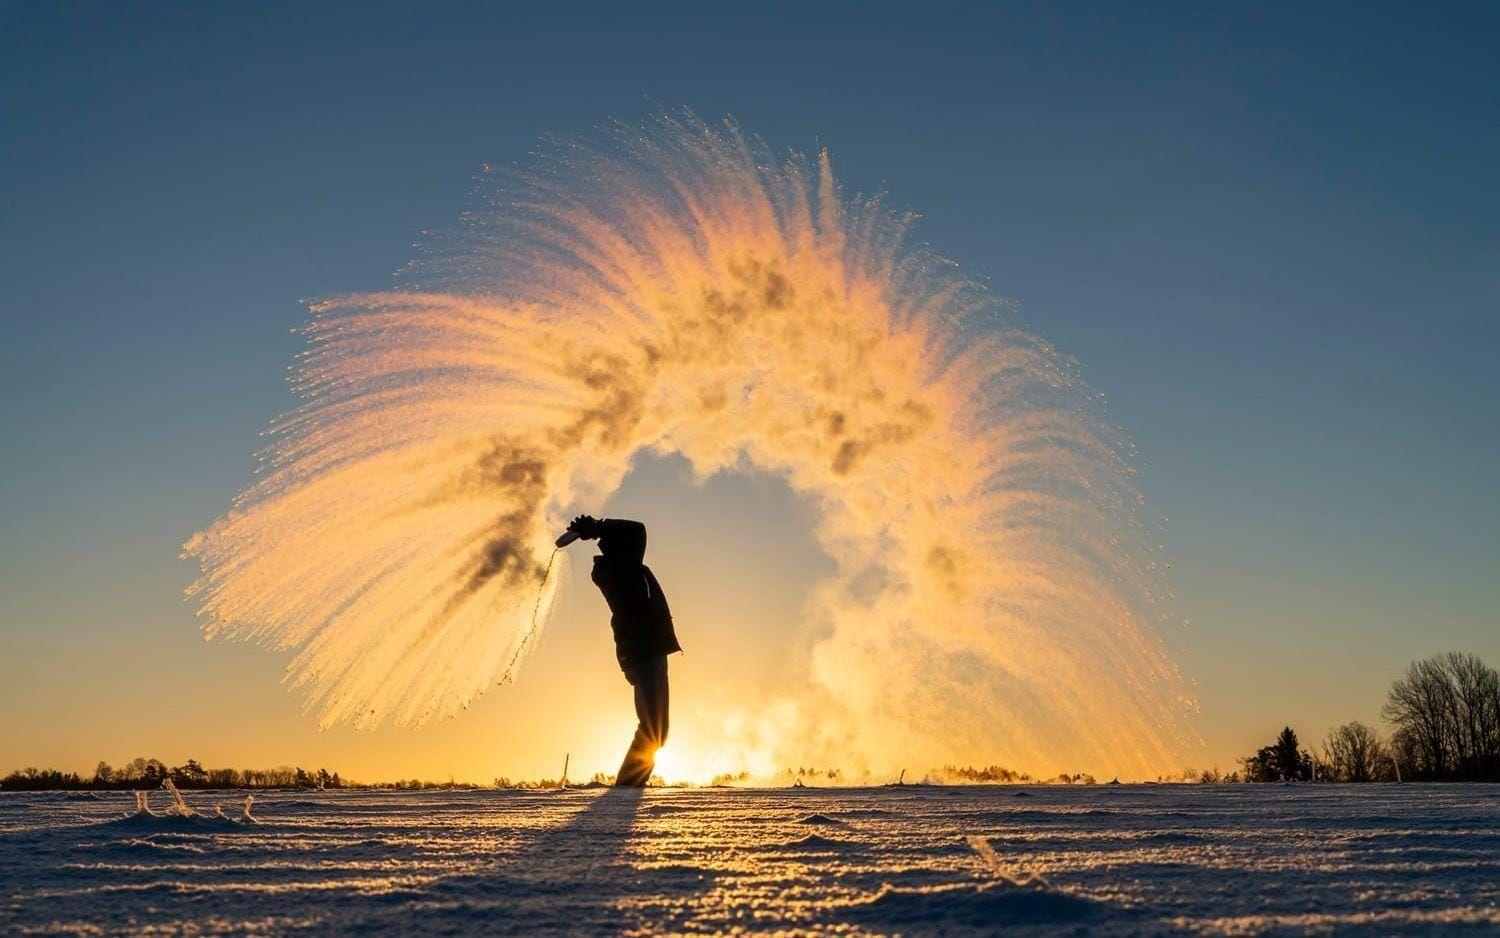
x,y
1379,858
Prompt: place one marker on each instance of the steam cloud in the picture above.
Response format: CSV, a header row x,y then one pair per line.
x,y
677,288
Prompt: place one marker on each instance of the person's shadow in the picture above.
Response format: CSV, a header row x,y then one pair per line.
x,y
574,877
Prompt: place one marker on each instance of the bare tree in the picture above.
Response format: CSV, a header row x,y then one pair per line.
x,y
1447,713
1474,720
1354,753
1418,705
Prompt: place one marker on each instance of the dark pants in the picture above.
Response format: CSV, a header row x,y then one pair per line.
x,y
650,681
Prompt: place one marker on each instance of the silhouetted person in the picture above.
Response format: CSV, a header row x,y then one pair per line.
x,y
644,637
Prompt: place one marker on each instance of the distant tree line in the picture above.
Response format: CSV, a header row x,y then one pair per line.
x,y
1445,714
990,774
150,773
1444,711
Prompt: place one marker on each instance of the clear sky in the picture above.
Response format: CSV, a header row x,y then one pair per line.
x,y
1271,235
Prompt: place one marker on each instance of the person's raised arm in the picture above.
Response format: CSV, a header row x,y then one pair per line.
x,y
618,537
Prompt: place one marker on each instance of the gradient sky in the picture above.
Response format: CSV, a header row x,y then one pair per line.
x,y
1271,236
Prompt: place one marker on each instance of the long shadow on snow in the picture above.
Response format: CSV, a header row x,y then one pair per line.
x,y
571,878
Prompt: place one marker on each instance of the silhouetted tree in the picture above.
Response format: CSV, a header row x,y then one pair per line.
x,y
1354,753
1288,757
152,774
225,778
1446,710
189,775
1282,760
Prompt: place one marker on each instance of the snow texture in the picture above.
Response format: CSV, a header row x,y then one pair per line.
x,y
1174,859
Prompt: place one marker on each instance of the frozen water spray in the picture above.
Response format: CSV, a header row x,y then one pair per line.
x,y
679,288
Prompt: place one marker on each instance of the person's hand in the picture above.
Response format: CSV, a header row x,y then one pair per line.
x,y
585,526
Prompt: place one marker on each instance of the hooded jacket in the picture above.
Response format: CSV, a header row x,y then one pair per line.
x,y
639,615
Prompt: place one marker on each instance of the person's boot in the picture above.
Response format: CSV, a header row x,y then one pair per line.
x,y
640,762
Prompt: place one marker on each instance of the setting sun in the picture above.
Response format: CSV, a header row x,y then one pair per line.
x,y
676,766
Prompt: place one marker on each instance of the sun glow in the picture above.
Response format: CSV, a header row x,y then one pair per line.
x,y
676,764
689,757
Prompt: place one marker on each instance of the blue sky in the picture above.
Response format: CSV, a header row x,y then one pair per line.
x,y
1271,235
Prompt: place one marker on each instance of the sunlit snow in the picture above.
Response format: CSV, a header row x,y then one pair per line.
x,y
1131,859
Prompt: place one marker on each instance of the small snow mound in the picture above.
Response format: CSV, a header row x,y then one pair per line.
x,y
152,845
1172,837
821,820
1022,794
301,803
665,809
152,823
816,842
967,906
